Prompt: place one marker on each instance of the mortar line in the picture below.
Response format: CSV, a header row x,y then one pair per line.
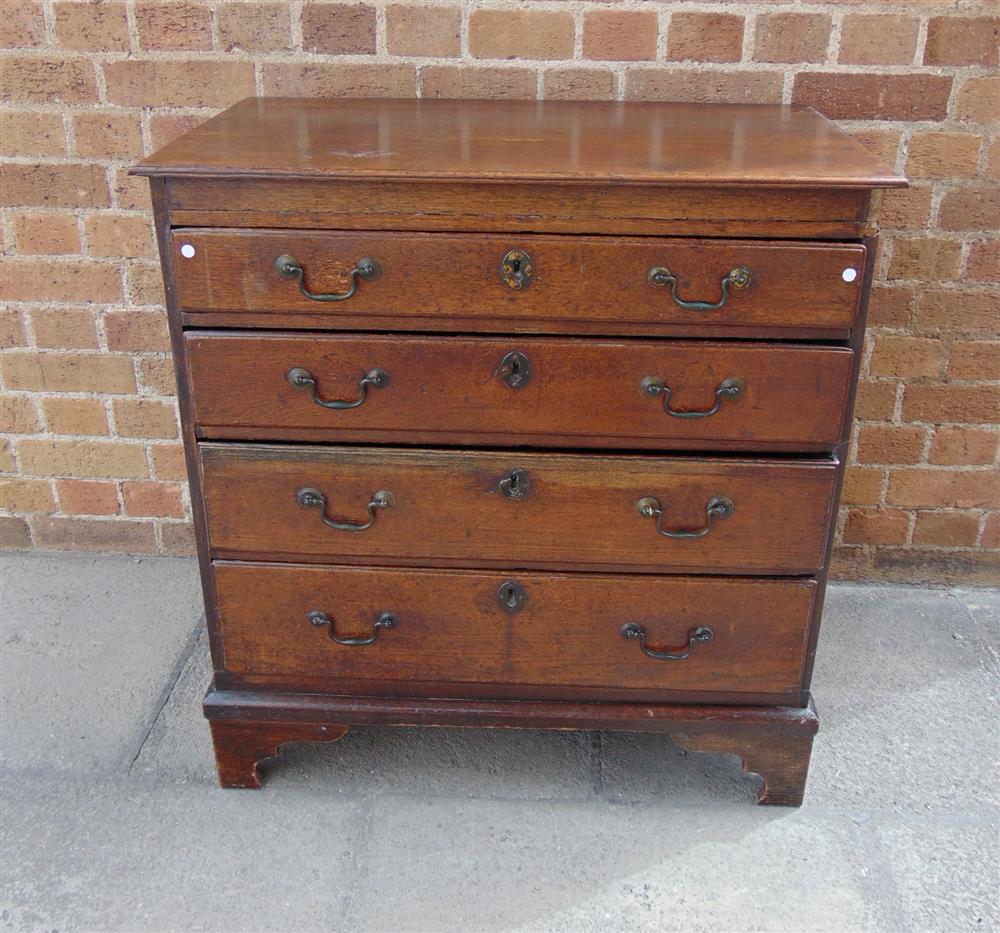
x,y
168,688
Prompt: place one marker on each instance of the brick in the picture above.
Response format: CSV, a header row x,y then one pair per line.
x,y
158,375
18,494
150,499
66,185
12,333
143,417
693,85
957,311
961,446
14,533
65,329
991,531
342,80
88,496
970,209
101,459
878,40
76,416
907,208
891,305
18,414
68,372
927,259
453,81
433,31
862,486
131,193
993,160
339,28
874,96
578,84
876,526
92,26
22,25
119,537
145,283
48,80
168,462
166,127
31,280
962,40
875,401
978,100
170,83
178,539
957,403
884,143
620,35
137,331
936,566
948,489
32,134
851,563
890,443
167,25
950,529
46,234
906,357
943,155
8,463
791,37
974,359
517,33
254,27
108,135
705,37
119,235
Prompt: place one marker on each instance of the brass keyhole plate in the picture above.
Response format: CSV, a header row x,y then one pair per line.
x,y
515,370
511,596
517,269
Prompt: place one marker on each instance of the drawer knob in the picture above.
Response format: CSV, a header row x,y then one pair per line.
x,y
301,378
651,386
697,635
385,620
738,278
290,268
517,269
717,507
309,498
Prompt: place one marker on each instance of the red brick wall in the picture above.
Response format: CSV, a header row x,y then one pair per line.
x,y
92,458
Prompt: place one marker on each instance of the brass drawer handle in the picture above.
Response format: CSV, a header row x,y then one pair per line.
x,y
695,636
738,278
290,268
301,378
309,498
716,507
651,386
385,620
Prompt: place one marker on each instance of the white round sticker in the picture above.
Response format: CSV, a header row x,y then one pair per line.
x,y
187,251
848,275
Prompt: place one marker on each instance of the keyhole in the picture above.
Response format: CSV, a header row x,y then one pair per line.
x,y
515,266
515,370
511,596
514,480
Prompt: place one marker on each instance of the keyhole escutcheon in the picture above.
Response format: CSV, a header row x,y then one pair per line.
x,y
511,596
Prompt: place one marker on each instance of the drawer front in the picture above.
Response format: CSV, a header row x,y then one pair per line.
x,y
739,635
538,391
489,282
514,509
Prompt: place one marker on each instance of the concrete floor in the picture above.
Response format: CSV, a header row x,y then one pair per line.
x,y
112,819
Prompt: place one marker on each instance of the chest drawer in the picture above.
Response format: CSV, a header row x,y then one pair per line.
x,y
616,285
538,391
585,630
514,509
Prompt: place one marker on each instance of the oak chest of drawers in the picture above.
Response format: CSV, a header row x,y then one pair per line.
x,y
516,414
